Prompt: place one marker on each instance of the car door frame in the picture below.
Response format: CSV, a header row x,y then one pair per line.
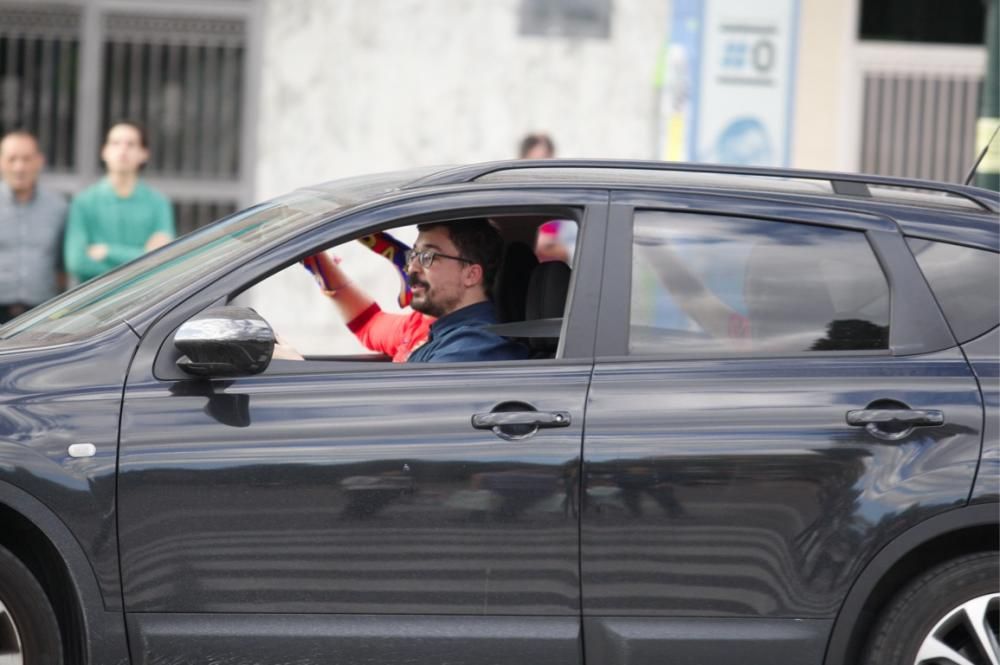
x,y
917,326
579,328
585,286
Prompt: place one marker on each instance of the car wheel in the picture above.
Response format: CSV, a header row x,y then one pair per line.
x,y
947,616
29,631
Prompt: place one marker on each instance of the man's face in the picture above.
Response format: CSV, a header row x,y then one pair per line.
x,y
20,163
440,289
123,151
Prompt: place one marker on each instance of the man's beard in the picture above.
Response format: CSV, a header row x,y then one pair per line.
x,y
426,307
425,303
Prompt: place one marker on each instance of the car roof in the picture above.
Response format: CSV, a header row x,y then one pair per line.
x,y
938,210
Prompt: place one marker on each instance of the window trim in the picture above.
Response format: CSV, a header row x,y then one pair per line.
x,y
916,324
581,298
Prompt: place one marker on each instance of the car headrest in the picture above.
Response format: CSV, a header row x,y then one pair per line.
x,y
511,285
547,290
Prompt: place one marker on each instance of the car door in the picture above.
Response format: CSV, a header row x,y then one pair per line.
x,y
738,472
350,511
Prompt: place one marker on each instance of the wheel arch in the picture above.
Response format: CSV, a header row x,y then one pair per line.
x,y
37,537
942,537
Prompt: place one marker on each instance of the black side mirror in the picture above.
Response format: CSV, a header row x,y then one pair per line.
x,y
225,341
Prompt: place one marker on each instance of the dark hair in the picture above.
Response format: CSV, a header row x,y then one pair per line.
x,y
476,240
532,140
137,126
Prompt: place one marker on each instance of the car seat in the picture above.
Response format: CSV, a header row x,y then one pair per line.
x,y
787,299
545,304
511,284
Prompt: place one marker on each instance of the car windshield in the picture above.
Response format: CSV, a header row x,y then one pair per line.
x,y
127,290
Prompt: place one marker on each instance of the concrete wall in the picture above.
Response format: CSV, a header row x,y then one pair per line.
x,y
826,101
357,86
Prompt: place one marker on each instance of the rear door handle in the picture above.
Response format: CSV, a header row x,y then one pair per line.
x,y
894,424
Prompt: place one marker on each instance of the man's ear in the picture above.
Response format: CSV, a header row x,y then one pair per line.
x,y
473,275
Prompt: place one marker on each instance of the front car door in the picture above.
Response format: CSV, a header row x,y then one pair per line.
x,y
349,511
733,484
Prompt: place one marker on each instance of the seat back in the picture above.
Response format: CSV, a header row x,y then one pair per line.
x,y
511,285
546,299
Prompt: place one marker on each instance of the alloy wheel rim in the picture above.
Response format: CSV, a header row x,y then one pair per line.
x,y
10,640
967,635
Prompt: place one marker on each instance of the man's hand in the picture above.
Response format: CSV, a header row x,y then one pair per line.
x,y
285,351
97,252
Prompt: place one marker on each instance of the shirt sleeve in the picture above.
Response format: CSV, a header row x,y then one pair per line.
x,y
75,243
381,331
165,218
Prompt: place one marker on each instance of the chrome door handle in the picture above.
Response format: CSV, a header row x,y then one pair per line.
x,y
539,419
874,420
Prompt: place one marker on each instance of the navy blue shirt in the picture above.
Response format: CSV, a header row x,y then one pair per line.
x,y
461,337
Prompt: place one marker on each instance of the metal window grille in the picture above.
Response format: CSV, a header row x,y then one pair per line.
x,y
39,48
190,215
180,77
179,74
919,125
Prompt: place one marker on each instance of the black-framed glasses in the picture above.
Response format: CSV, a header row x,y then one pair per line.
x,y
427,256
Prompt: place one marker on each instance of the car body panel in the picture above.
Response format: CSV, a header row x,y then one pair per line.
x,y
56,397
716,510
984,356
733,486
323,492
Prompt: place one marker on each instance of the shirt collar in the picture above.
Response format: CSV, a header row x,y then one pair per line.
x,y
7,194
105,185
479,312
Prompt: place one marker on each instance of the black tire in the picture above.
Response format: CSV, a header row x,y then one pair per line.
x,y
27,617
932,604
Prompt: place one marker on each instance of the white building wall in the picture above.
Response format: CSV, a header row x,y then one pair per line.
x,y
357,86
827,103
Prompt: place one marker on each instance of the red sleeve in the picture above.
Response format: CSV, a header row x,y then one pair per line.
x,y
391,334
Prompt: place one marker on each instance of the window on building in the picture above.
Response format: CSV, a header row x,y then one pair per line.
x,y
179,74
954,22
39,48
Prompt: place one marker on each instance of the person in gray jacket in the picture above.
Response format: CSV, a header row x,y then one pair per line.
x,y
31,224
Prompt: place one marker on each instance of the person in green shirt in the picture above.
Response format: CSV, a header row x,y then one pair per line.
x,y
120,218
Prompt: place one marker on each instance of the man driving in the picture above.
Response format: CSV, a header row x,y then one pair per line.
x,y
450,269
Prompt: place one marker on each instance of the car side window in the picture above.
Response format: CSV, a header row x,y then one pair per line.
x,y
966,283
353,304
705,284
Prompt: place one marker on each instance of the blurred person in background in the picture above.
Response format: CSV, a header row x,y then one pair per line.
x,y
120,218
31,223
537,146
557,238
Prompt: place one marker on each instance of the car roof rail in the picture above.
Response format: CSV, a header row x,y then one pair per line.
x,y
845,184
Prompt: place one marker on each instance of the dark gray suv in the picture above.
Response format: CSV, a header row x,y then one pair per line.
x,y
760,423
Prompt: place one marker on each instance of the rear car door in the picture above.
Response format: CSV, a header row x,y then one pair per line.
x,y
351,512
738,467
